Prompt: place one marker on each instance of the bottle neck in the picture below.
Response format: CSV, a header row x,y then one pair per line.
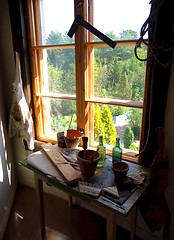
x,y
100,140
117,142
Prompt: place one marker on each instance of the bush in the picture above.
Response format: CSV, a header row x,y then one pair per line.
x,y
134,147
128,137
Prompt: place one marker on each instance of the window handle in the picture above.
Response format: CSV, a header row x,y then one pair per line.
x,y
80,21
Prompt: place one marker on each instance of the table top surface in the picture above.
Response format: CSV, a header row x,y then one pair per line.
x,y
129,193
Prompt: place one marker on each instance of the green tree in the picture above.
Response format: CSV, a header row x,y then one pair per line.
x,y
104,125
67,107
119,67
117,110
98,124
54,79
117,74
134,119
63,57
128,34
128,137
134,147
68,80
109,128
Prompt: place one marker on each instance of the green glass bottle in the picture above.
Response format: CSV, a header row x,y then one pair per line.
x,y
102,151
117,152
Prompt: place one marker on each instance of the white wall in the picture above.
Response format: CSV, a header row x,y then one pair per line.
x,y
7,173
7,168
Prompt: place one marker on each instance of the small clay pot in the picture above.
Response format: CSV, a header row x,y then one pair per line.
x,y
120,169
88,160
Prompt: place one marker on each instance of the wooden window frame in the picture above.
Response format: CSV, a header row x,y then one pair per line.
x,y
84,68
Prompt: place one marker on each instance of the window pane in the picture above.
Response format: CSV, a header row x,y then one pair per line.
x,y
63,115
56,19
61,71
118,17
118,74
115,121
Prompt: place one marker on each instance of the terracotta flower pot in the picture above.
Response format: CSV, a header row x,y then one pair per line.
x,y
72,138
120,169
88,160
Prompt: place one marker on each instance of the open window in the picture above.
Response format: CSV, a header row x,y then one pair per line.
x,y
81,82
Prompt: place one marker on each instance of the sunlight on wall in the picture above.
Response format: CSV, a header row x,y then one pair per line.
x,y
18,220
9,172
1,171
4,158
18,216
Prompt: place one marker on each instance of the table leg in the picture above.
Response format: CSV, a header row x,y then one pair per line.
x,y
111,226
40,203
70,201
133,219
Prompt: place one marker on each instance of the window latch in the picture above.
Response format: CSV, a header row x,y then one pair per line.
x,y
80,21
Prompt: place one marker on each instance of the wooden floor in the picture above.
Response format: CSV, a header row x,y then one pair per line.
x,y
62,222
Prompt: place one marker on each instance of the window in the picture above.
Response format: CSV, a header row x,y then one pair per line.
x,y
81,82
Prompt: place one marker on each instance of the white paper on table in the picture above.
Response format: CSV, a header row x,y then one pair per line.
x,y
40,161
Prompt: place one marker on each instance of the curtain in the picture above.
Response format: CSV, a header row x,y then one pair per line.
x,y
161,42
152,204
155,109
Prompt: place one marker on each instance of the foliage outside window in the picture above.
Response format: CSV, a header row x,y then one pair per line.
x,y
82,83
